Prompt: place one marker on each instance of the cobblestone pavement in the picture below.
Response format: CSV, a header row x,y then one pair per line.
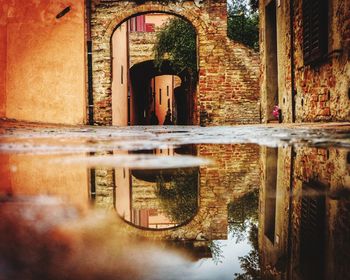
x,y
41,138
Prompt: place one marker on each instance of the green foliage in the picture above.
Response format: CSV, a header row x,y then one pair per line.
x,y
243,23
176,42
250,262
242,213
178,198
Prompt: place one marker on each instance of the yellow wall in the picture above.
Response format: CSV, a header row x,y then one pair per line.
x,y
42,76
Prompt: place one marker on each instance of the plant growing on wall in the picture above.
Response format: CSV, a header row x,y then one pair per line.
x,y
176,42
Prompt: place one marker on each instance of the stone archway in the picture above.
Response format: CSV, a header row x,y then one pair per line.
x,y
228,88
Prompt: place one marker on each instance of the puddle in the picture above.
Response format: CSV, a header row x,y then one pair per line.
x,y
250,202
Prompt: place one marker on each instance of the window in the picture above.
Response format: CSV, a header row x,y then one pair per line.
x,y
315,30
150,27
160,96
121,74
167,90
137,24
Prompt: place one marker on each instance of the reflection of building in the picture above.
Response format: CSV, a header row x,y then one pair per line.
x,y
304,214
136,96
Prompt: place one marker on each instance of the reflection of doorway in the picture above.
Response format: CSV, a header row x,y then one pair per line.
x,y
270,193
271,60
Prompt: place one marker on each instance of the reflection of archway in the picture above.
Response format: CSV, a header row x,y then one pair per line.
x,y
143,78
157,198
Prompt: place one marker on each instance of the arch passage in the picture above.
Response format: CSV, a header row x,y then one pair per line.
x,y
228,87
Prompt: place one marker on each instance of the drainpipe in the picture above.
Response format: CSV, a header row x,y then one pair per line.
x,y
89,63
292,66
90,96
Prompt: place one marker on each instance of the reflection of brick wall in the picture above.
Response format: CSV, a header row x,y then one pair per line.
x,y
322,91
144,195
104,188
228,90
328,172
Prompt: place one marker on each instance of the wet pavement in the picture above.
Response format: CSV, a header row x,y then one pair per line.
x,y
175,202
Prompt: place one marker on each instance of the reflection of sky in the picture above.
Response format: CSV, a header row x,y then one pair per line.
x,y
205,269
228,263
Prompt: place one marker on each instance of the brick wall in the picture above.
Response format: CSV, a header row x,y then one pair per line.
x,y
141,46
322,90
228,88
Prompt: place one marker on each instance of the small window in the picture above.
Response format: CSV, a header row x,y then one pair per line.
x,y
167,90
121,74
150,27
315,30
160,96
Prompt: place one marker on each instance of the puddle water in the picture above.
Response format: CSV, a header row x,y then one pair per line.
x,y
248,202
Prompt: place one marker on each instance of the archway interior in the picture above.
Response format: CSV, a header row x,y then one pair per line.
x,y
144,93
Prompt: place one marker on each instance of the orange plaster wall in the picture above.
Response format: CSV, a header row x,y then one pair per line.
x,y
3,54
119,88
161,83
45,61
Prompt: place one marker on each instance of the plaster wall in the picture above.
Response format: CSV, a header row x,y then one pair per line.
x,y
162,85
120,78
42,76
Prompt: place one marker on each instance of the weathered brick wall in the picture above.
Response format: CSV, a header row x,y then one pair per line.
x,y
236,171
322,91
228,88
141,46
